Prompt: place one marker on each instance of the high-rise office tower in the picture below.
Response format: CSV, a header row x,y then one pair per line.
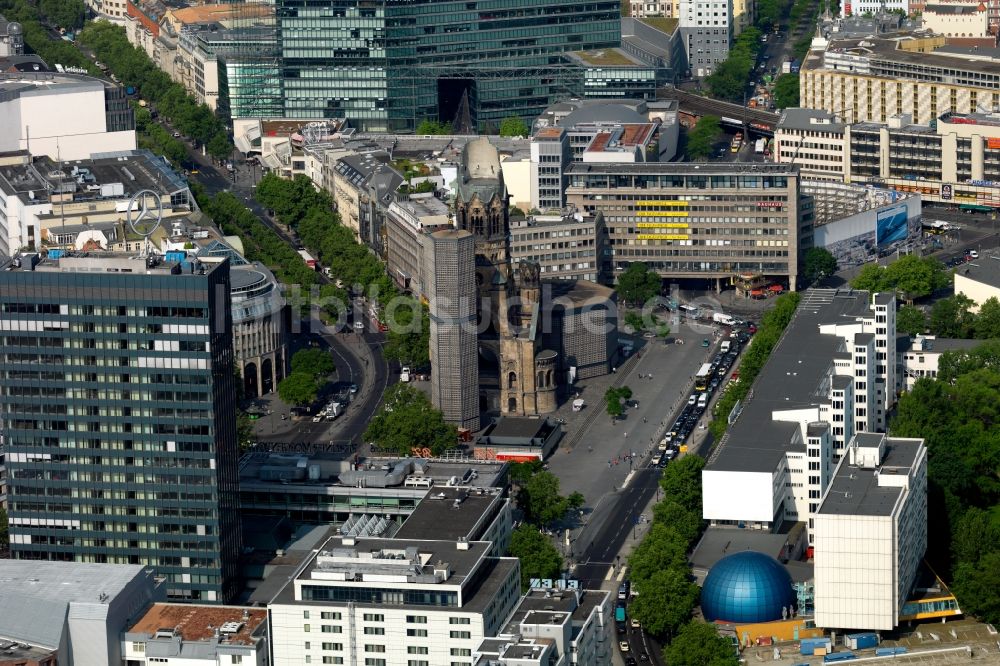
x,y
449,283
389,64
117,393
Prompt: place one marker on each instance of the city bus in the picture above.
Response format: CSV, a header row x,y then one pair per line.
x,y
703,377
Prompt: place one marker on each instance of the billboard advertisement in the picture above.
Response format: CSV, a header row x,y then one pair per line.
x,y
993,143
890,226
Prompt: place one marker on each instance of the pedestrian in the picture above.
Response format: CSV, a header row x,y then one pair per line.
x,y
644,419
626,435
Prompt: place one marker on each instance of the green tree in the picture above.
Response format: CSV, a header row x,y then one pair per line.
x,y
409,338
684,521
539,558
299,389
911,320
665,601
916,277
818,263
699,644
977,585
871,277
910,276
681,482
407,420
614,407
429,126
702,138
513,126
954,364
634,321
951,317
637,284
69,14
541,502
786,91
986,324
662,548
614,397
219,146
315,362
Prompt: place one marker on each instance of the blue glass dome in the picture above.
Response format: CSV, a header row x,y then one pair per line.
x,y
746,587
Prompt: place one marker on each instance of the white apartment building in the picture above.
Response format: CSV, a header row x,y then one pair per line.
x,y
115,11
195,635
815,141
870,533
824,382
919,357
707,30
554,627
63,116
382,602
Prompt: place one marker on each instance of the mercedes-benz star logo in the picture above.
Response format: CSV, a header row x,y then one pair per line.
x,y
144,218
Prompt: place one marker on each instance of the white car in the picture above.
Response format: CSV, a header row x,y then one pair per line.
x,y
359,326
624,646
318,417
974,254
693,399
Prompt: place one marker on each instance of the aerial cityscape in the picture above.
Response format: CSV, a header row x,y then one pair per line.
x,y
499,333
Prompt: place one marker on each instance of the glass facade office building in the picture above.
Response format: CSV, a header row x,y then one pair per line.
x,y
388,65
118,393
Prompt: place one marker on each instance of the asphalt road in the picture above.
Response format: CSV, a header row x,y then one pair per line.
x,y
358,358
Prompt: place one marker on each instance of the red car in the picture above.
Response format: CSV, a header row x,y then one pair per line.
x,y
751,328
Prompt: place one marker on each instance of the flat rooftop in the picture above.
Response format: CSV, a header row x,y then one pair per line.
x,y
856,491
416,560
449,514
199,623
686,168
985,269
790,379
124,173
719,542
107,262
578,603
37,595
605,58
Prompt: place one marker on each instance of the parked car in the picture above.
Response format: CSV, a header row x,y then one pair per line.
x,y
706,343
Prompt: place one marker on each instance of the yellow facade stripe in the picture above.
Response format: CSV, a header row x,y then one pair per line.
x,y
662,213
662,225
661,203
662,236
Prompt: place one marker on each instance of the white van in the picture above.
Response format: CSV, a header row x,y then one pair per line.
x,y
703,400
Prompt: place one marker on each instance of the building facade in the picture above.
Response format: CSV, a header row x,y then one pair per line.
x,y
715,221
139,400
561,627
873,78
449,285
618,131
953,160
707,31
919,357
31,110
396,64
832,375
871,533
260,328
392,601
566,246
